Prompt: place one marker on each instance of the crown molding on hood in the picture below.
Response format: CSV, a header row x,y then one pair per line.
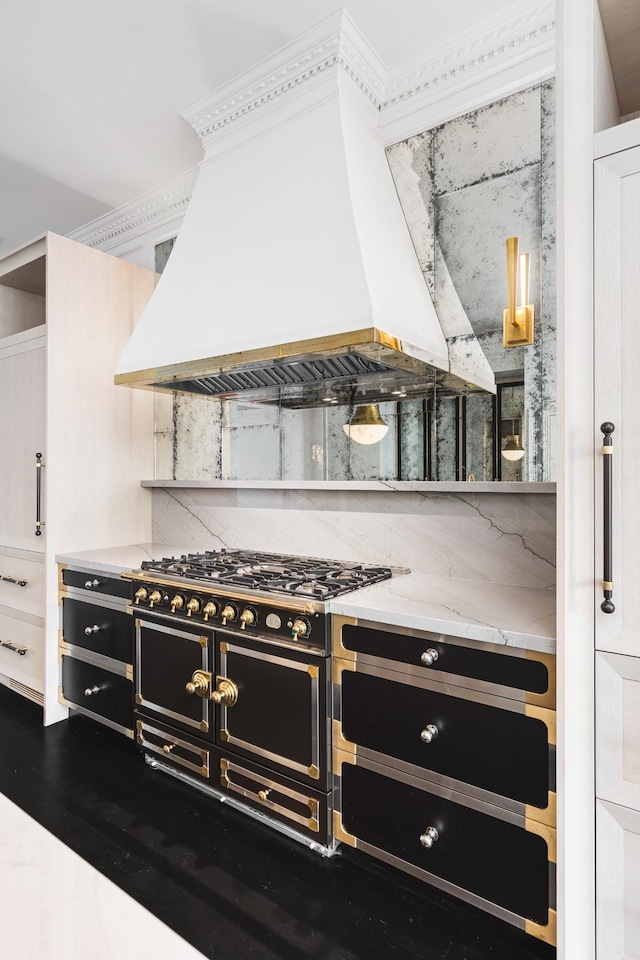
x,y
489,60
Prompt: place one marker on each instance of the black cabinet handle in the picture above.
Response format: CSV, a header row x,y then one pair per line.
x,y
9,645
607,429
39,466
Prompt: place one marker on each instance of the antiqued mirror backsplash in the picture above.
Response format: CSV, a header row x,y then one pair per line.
x,y
465,187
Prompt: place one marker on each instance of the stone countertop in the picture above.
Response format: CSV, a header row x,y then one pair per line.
x,y
474,609
117,560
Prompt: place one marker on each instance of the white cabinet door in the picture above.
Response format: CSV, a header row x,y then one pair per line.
x,y
618,882
22,434
617,633
617,356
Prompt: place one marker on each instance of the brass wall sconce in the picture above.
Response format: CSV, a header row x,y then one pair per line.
x,y
517,329
366,425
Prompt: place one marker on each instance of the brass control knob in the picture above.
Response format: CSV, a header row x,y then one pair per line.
x,y
264,794
156,597
177,603
226,693
200,683
299,629
210,610
229,613
141,594
194,606
168,747
247,618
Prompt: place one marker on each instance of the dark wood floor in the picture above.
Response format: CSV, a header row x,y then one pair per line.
x,y
232,888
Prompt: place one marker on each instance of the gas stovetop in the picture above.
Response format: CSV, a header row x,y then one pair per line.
x,y
303,577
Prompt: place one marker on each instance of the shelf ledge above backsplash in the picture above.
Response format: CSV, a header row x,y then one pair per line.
x,y
401,486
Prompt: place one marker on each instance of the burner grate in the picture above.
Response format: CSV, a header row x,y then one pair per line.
x,y
271,573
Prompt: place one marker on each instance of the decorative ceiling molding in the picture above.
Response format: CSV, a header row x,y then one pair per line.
x,y
153,209
484,62
334,45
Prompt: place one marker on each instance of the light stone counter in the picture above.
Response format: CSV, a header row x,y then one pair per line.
x,y
475,609
117,560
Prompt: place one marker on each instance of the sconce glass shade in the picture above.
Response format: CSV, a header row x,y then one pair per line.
x,y
366,425
513,449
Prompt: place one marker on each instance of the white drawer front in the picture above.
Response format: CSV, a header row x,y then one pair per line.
x,y
28,598
618,729
618,882
28,667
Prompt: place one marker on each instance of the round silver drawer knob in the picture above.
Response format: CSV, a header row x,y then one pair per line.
x,y
429,837
91,690
89,630
429,733
429,657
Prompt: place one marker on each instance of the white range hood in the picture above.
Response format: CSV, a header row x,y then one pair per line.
x,y
294,276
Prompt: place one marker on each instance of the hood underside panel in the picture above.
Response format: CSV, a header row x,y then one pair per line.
x,y
371,368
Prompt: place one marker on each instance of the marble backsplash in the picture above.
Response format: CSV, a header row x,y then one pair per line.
x,y
501,538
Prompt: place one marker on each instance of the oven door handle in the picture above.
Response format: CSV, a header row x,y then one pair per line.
x,y
225,694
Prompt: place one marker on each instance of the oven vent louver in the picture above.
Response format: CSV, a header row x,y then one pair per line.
x,y
349,366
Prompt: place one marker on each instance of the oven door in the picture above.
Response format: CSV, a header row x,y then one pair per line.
x,y
278,713
167,659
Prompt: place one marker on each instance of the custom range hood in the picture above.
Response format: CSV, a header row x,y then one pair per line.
x,y
294,279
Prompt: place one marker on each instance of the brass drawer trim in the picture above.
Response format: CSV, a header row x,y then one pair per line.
x,y
228,767
165,751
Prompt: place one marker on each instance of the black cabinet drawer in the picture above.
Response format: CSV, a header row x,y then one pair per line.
x,y
498,861
175,749
499,750
282,799
97,583
516,670
101,692
101,629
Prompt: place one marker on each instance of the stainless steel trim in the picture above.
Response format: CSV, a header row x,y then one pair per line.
x,y
96,659
224,797
270,804
461,892
117,604
75,708
140,623
196,724
315,701
448,784
428,786
429,682
184,744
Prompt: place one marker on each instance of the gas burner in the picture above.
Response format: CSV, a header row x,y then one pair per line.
x,y
270,572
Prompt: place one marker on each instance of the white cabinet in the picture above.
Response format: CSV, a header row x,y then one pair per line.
x,y
23,374
66,312
617,635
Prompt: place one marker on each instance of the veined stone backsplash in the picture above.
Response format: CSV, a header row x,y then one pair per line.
x,y
465,187
503,538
